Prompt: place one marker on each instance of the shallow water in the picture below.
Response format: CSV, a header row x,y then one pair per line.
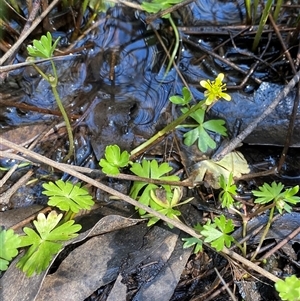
x,y
122,78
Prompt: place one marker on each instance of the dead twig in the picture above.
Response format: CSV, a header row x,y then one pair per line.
x,y
5,197
219,57
30,218
281,244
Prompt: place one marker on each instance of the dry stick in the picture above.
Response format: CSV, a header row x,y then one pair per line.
x,y
290,130
281,244
127,3
30,218
222,59
133,202
9,103
34,11
25,64
286,51
236,141
253,67
27,33
8,174
7,155
226,285
5,196
296,101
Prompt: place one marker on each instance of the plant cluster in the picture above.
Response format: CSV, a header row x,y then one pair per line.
x,y
45,239
163,199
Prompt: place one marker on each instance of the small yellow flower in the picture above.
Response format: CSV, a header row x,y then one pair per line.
x,y
214,90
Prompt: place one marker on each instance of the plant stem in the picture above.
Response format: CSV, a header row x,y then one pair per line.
x,y
53,84
170,127
52,80
265,233
248,11
277,9
67,122
68,216
262,22
176,46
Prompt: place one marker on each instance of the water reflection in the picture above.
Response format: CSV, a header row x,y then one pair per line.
x,y
123,75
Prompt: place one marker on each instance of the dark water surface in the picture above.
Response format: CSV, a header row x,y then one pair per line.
x,y
121,79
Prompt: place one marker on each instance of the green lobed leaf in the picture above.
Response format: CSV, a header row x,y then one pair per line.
x,y
229,189
37,259
289,288
45,242
216,233
216,126
187,97
267,193
9,244
42,48
225,225
289,195
191,136
108,168
177,100
114,159
68,197
226,199
200,132
149,169
198,115
193,241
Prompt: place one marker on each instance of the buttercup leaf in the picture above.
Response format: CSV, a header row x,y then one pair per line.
x,y
68,197
216,233
114,160
200,131
45,242
149,169
42,48
193,241
9,244
289,288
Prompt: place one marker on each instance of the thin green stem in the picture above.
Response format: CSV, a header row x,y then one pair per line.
x,y
170,127
262,22
67,122
176,46
248,11
52,80
45,77
265,233
242,247
277,9
239,246
53,83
